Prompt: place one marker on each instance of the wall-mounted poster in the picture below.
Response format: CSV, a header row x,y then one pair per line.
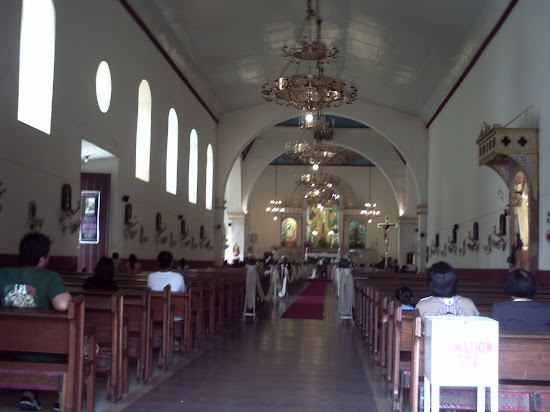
x,y
357,234
289,232
89,221
322,226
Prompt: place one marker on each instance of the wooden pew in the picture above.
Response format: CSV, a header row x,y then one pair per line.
x,y
162,319
137,310
50,331
137,307
402,352
183,309
106,313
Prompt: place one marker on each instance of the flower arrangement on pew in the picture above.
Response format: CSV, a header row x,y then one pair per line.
x,y
272,259
251,259
344,262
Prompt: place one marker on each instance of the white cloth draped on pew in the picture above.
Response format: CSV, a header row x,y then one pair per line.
x,y
284,273
274,284
330,271
304,272
338,278
346,298
253,286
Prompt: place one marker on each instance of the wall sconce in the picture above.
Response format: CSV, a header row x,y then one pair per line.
x,y
433,249
2,191
172,242
183,232
204,242
473,238
35,225
451,242
159,230
129,224
142,238
497,239
67,211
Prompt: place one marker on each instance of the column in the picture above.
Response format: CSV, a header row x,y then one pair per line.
x,y
219,236
238,222
406,238
421,212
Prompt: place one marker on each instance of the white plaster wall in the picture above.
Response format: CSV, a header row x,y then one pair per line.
x,y
510,76
268,231
34,165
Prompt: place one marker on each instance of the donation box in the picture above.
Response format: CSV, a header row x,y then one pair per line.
x,y
461,351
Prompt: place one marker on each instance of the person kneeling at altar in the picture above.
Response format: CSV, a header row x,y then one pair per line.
x,y
322,268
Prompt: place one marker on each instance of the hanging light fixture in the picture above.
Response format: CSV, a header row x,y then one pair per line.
x,y
370,208
307,88
318,124
319,152
320,188
274,208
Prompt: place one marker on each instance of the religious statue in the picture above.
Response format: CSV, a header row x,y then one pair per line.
x,y
387,226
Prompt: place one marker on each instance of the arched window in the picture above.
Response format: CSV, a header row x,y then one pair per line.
x,y
209,176
143,133
103,86
172,153
193,166
36,64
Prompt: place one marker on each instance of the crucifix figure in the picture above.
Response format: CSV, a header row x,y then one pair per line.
x,y
387,226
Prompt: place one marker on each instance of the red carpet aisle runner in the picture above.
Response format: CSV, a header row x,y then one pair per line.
x,y
310,304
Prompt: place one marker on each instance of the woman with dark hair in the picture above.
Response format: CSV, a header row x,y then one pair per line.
x,y
133,265
405,295
444,299
521,313
103,278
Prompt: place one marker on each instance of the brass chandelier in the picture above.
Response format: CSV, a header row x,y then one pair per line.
x,y
321,190
307,88
318,124
320,153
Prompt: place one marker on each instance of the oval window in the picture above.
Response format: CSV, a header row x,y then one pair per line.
x,y
103,86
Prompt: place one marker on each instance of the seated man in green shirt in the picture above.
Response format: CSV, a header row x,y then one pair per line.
x,y
33,286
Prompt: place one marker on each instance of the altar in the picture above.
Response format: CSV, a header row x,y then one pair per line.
x,y
319,255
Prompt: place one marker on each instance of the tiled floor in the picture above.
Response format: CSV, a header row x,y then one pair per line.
x,y
272,365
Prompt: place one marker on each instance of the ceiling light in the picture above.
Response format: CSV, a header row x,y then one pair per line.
x,y
274,207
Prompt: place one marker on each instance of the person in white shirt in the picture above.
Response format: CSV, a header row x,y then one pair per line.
x,y
158,280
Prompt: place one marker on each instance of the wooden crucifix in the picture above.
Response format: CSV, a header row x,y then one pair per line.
x,y
387,226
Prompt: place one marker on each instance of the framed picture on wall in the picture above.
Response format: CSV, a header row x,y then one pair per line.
x,y
89,220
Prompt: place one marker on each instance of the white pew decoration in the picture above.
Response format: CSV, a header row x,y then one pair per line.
x,y
253,286
345,289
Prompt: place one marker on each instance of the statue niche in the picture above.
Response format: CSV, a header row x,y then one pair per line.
x,y
513,154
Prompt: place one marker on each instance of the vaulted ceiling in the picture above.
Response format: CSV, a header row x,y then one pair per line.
x,y
405,55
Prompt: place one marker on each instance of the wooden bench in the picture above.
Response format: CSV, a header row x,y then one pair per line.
x,y
162,319
106,313
50,331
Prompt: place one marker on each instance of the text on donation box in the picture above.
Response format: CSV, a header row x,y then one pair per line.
x,y
461,350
